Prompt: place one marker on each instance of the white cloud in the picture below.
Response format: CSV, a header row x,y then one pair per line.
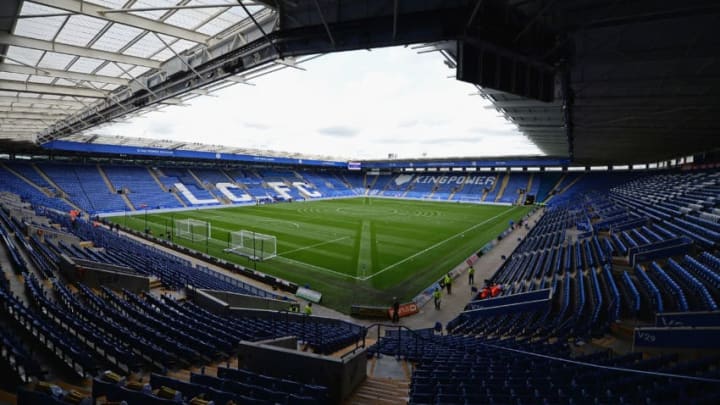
x,y
355,105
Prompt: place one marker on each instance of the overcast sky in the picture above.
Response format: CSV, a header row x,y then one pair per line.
x,y
355,105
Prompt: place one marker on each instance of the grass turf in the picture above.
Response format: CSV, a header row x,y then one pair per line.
x,y
355,251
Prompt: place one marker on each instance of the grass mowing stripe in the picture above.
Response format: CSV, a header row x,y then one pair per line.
x,y
364,261
313,246
314,267
437,244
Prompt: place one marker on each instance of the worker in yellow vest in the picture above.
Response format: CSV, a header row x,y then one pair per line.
x,y
436,297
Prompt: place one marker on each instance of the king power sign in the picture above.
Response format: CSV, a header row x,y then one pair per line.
x,y
477,180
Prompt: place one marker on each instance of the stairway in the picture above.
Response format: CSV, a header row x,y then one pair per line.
x,y
344,180
106,179
197,179
503,186
63,194
553,190
111,187
230,179
432,192
155,283
223,199
572,183
522,197
26,180
155,177
370,187
387,383
128,202
564,189
381,391
457,190
409,188
485,193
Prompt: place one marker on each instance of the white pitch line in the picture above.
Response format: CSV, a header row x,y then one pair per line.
x,y
267,220
312,246
297,262
313,267
435,245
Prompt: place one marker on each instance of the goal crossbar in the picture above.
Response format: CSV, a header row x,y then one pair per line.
x,y
194,230
254,245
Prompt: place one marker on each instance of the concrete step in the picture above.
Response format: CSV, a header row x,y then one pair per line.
x,y
382,390
362,398
388,383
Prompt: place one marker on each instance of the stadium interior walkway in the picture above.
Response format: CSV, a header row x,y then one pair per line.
x,y
451,305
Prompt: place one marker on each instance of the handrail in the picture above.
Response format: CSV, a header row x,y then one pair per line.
x,y
399,327
545,356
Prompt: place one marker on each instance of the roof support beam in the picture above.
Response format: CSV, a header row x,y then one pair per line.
x,y
38,110
18,136
92,10
25,42
40,88
30,116
27,70
5,124
185,7
21,123
41,101
19,130
260,28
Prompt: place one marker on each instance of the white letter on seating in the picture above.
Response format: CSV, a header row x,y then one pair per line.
x,y
191,197
224,188
303,187
280,188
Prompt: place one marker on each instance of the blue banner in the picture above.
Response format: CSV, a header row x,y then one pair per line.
x,y
678,338
675,319
184,154
510,299
525,306
542,162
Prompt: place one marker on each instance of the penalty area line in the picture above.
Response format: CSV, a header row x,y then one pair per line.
x,y
313,267
436,245
313,246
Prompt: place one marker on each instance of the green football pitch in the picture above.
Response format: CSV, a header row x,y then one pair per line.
x,y
354,251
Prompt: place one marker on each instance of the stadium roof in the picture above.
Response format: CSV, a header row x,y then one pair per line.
x,y
633,81
642,80
188,146
59,58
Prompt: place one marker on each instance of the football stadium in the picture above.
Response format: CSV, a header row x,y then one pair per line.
x,y
278,202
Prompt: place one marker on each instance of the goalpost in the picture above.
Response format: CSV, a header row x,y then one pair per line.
x,y
256,246
194,230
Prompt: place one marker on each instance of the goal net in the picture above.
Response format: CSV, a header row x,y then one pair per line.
x,y
256,246
194,230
